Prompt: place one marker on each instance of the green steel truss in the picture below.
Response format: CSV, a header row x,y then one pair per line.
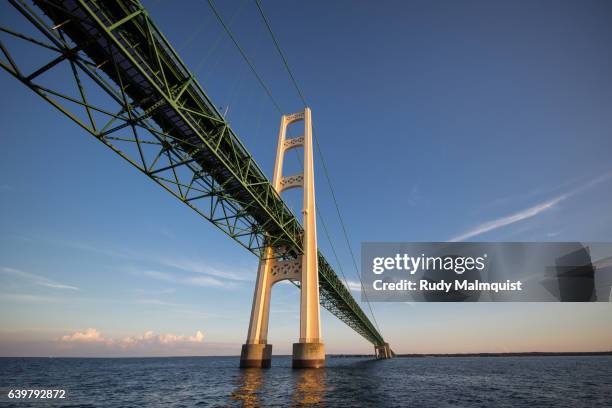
x,y
133,93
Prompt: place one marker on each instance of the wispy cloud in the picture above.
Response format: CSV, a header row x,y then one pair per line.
x,y
414,197
159,275
511,219
165,291
157,302
28,298
167,233
541,191
206,281
354,286
187,280
185,264
201,267
36,279
528,212
94,336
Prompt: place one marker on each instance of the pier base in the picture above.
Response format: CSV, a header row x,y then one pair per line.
x,y
256,356
308,355
383,352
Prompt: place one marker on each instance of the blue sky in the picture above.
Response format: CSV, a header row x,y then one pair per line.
x,y
439,121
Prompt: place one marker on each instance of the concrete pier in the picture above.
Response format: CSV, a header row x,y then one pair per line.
x,y
256,356
383,352
308,355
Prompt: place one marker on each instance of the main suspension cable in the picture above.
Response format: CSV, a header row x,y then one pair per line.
x,y
244,56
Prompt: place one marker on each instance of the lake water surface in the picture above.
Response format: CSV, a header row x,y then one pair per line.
x,y
584,381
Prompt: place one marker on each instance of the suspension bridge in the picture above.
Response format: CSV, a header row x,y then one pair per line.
x,y
132,92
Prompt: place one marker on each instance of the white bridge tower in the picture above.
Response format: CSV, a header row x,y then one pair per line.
x,y
309,352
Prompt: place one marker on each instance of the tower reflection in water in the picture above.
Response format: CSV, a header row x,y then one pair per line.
x,y
248,390
308,388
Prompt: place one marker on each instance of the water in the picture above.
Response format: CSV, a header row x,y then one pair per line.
x,y
346,382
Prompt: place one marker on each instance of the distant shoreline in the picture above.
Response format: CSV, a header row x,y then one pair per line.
x,y
523,354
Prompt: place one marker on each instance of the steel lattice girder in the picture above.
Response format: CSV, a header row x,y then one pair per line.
x,y
159,112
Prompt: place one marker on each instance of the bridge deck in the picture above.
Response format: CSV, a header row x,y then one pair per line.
x,y
117,40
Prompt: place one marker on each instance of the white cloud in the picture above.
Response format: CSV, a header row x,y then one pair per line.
x,y
94,336
36,279
150,337
528,212
87,336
